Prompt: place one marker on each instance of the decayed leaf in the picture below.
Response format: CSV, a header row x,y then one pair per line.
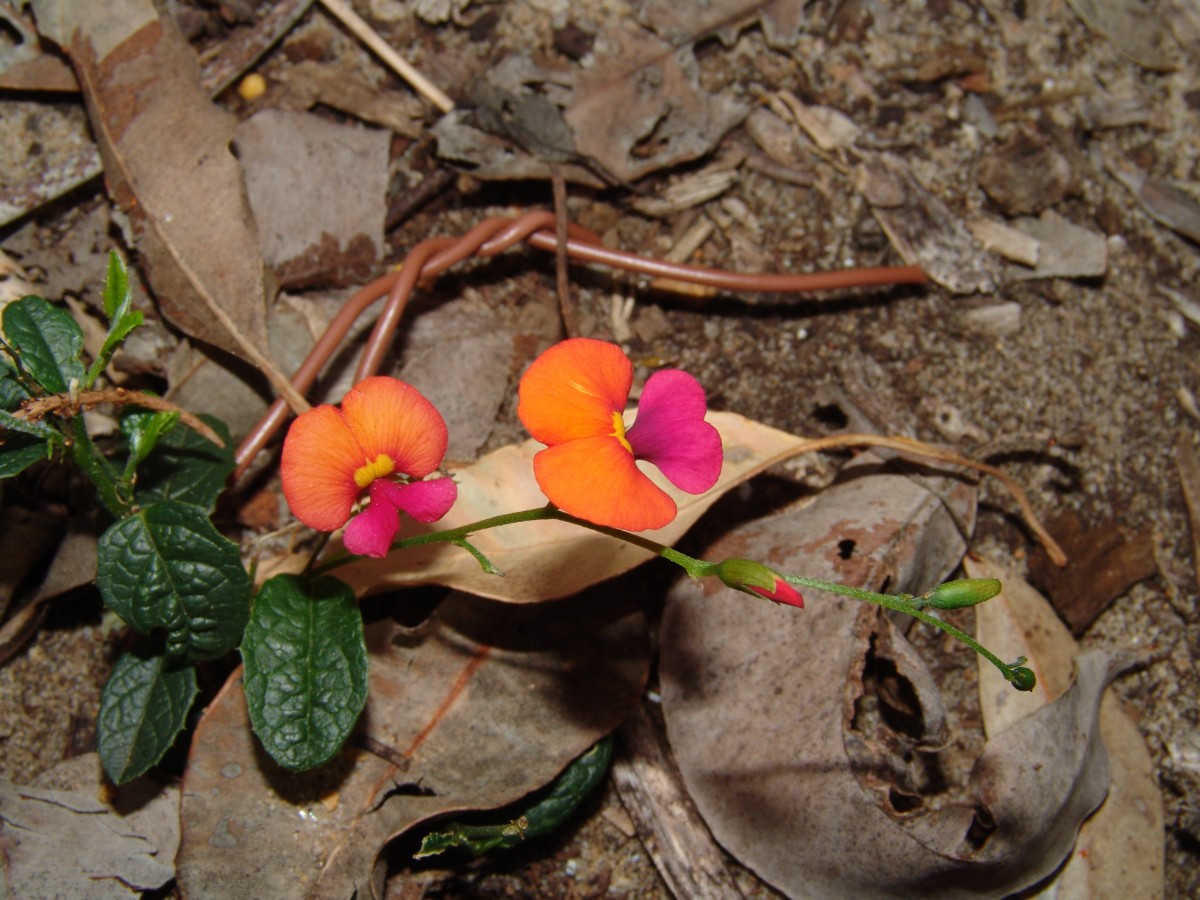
x,y
166,154
678,22
59,840
477,707
1133,29
544,560
315,230
921,228
1119,851
641,108
800,782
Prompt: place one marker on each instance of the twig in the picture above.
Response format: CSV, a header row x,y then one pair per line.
x,y
368,36
559,186
67,406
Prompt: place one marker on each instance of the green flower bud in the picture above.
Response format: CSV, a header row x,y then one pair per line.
x,y
960,593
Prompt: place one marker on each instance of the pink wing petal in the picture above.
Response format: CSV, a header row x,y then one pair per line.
x,y
671,433
425,501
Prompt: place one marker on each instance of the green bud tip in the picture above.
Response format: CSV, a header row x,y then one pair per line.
x,y
960,593
754,578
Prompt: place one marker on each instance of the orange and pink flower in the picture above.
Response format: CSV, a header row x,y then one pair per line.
x,y
385,438
573,398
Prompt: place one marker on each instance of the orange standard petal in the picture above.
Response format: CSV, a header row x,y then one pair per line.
x,y
597,479
320,456
572,390
392,418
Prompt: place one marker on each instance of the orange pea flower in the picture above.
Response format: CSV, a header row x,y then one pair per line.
x,y
385,438
572,399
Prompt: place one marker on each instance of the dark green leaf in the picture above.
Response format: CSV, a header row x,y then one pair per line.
x,y
306,668
36,429
12,392
540,817
20,451
117,295
142,430
142,710
47,341
167,567
186,467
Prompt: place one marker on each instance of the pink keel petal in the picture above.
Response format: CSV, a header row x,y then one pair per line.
x,y
425,501
370,533
671,433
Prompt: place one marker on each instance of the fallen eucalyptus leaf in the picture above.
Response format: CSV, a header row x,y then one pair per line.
x,y
477,707
1119,852
58,840
543,560
803,782
641,108
166,153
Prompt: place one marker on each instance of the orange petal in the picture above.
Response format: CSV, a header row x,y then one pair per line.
x,y
319,458
597,479
572,390
389,416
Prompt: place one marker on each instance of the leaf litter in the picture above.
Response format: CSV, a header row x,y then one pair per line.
x,y
841,89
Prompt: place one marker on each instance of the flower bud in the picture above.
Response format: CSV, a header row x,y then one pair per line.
x,y
755,578
960,593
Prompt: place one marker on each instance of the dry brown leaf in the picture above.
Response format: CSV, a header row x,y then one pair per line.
x,y
679,22
1119,853
641,108
922,228
59,840
770,720
543,560
1134,29
166,155
475,708
319,225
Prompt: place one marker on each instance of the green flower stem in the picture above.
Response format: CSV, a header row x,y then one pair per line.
x,y
1017,674
1020,677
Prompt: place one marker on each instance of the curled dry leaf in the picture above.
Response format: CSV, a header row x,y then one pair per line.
x,y
769,715
543,560
166,155
477,707
1119,853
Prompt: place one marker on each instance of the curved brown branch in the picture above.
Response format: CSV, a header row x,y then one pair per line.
x,y
67,406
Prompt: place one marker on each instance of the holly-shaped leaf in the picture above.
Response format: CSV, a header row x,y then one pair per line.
x,y
306,668
143,708
47,341
167,567
186,467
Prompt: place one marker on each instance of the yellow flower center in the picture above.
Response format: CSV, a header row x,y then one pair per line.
x,y
619,431
382,466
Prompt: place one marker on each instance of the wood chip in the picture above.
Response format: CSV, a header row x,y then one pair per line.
x,y
1003,240
1065,250
683,850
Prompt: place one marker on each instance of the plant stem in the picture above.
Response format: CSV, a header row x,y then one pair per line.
x,y
1013,673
